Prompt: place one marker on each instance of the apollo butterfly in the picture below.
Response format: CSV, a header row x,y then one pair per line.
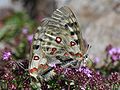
x,y
57,41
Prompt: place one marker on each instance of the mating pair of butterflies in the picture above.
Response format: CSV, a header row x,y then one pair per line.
x,y
57,41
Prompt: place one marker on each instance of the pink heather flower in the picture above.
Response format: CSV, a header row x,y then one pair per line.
x,y
24,30
86,71
114,53
66,70
82,88
6,55
52,65
12,86
29,38
96,60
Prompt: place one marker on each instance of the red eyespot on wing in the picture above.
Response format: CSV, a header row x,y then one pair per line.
x,y
71,53
72,43
58,39
46,67
36,57
53,50
78,55
66,54
41,66
33,70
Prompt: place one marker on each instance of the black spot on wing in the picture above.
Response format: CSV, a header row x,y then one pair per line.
x,y
70,24
41,39
72,33
75,23
59,58
47,48
77,41
37,30
68,60
35,46
66,26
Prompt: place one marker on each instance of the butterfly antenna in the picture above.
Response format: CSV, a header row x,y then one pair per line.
x,y
89,47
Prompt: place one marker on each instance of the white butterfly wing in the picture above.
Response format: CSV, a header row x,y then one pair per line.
x,y
58,36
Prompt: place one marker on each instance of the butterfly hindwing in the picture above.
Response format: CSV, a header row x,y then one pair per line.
x,y
38,60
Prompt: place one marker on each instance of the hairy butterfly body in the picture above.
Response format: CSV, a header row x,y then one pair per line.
x,y
57,41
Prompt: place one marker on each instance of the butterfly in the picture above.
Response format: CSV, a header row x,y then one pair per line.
x,y
57,41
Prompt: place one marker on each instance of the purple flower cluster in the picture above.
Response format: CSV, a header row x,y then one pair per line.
x,y
84,77
7,74
96,60
98,82
25,32
29,38
12,71
114,53
11,86
6,55
114,78
86,71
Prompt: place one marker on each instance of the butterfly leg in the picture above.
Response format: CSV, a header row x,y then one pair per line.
x,y
84,61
